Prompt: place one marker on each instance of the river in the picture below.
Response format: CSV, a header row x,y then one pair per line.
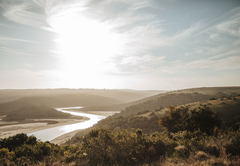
x,y
52,133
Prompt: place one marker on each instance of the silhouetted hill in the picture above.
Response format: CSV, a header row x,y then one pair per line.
x,y
34,112
67,100
124,95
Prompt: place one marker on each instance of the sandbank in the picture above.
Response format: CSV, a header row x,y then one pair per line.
x,y
10,130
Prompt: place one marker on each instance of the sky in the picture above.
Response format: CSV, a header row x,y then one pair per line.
x,y
119,44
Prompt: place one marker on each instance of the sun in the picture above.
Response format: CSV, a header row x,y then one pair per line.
x,y
86,46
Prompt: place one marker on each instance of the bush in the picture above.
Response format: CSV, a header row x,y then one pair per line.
x,y
233,146
15,141
182,151
125,147
201,155
180,119
212,150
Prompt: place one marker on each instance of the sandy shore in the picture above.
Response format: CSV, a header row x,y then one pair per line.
x,y
10,130
63,138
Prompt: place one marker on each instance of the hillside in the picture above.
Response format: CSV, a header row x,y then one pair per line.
x,y
227,108
177,97
34,112
124,95
67,100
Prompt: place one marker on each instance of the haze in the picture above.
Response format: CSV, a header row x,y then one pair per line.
x,y
148,44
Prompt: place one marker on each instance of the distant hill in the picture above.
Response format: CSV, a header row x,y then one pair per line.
x,y
124,95
34,112
67,100
220,91
177,97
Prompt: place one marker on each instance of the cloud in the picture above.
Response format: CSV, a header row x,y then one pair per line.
x,y
9,39
19,14
13,52
220,64
207,42
230,63
25,79
154,39
5,25
136,64
141,60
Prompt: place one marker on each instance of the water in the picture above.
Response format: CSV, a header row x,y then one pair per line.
x,y
52,133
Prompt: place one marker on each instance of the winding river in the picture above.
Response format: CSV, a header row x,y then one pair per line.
x,y
52,133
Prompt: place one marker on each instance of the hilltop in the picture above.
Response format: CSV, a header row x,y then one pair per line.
x,y
123,95
177,97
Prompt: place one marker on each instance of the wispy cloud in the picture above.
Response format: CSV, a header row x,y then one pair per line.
x,y
13,52
5,25
18,12
230,63
9,39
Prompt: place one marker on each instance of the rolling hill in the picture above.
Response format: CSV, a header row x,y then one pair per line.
x,y
67,100
177,97
145,115
124,95
34,112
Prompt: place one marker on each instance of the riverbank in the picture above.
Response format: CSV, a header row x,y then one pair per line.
x,y
55,130
7,129
63,138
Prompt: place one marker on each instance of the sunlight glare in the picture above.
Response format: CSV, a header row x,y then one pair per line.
x,y
85,45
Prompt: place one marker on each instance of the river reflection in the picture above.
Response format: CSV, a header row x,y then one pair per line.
x,y
52,133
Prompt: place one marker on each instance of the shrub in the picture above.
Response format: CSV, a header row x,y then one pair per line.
x,y
180,119
15,141
213,98
212,150
4,153
176,119
233,146
182,151
200,155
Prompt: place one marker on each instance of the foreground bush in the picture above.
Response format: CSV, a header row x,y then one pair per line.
x,y
126,147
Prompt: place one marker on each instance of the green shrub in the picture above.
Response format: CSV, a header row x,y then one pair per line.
x,y
182,151
180,119
233,146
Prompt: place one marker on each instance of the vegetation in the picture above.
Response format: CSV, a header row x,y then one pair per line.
x,y
174,146
180,119
147,120
126,147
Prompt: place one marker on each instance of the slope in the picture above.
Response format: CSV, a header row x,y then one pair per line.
x,y
177,97
152,108
34,112
123,95
66,100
